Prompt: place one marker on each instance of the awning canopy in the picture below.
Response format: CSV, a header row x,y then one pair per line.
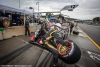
x,y
7,7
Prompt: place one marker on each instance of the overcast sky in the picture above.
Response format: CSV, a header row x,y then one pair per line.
x,y
87,9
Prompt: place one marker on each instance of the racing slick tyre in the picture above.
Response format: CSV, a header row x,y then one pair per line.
x,y
73,54
76,33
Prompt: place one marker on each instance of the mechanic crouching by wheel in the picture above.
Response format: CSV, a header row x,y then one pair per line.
x,y
47,41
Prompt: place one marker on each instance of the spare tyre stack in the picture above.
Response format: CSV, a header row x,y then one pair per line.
x,y
4,22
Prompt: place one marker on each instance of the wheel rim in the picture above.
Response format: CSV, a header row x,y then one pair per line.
x,y
64,50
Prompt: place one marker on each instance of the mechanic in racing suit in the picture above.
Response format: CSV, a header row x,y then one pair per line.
x,y
43,30
47,41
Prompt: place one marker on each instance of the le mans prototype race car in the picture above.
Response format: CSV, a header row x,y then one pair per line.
x,y
69,54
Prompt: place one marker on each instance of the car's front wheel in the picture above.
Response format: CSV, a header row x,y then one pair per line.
x,y
73,55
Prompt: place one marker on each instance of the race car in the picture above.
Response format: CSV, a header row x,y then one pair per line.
x,y
69,54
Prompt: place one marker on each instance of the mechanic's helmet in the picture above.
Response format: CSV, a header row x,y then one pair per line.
x,y
51,26
46,25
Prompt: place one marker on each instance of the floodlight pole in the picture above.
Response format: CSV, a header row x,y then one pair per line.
x,y
38,7
33,12
24,17
60,11
38,13
33,15
19,3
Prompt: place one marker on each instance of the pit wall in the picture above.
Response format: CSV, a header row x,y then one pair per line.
x,y
15,31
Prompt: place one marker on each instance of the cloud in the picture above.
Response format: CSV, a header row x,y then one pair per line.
x,y
86,9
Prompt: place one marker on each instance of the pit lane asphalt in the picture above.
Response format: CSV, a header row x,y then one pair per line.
x,y
30,56
88,49
92,31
